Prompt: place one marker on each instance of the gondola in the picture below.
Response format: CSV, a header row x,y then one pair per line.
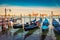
x,y
32,25
45,24
56,26
20,25
59,19
40,20
55,23
33,20
28,26
57,29
17,26
11,19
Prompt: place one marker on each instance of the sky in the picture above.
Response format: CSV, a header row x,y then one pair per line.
x,y
29,6
47,3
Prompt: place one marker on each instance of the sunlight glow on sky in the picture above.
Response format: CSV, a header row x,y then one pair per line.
x,y
17,10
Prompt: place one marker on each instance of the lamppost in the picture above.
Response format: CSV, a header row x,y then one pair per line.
x,y
6,11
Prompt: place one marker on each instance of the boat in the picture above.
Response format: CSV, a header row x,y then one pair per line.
x,y
56,26
59,19
33,24
55,23
11,19
40,20
34,20
4,23
20,25
57,29
28,26
17,26
45,24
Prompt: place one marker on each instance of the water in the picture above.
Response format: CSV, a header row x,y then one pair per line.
x,y
50,35
35,36
20,36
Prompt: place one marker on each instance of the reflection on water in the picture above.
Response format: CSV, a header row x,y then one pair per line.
x,y
20,34
30,33
34,36
9,35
